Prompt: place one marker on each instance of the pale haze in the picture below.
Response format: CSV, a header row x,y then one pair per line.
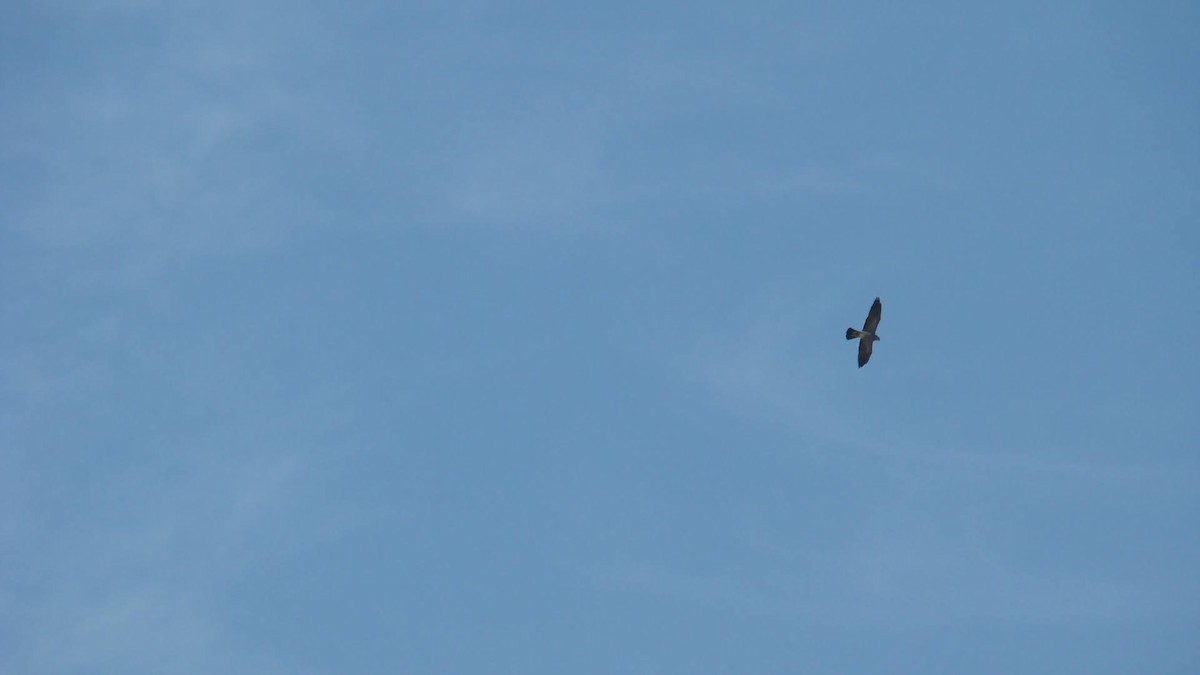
x,y
509,337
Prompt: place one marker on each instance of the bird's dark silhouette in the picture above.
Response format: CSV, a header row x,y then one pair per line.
x,y
867,337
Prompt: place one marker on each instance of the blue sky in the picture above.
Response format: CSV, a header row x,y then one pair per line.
x,y
471,337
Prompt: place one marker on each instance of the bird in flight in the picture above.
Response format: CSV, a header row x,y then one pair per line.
x,y
866,336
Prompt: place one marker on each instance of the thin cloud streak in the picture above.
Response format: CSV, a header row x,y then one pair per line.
x,y
904,568
908,564
762,373
133,574
541,170
184,158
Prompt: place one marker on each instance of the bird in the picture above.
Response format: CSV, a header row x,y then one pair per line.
x,y
866,336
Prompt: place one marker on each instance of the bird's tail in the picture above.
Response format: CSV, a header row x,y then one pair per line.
x,y
851,334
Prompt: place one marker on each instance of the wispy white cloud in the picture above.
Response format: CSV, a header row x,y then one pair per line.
x,y
904,569
102,6
654,578
810,179
119,555
131,574
914,567
781,366
768,369
906,563
182,153
536,169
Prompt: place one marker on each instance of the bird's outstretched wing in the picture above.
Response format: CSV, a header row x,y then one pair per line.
x,y
864,351
872,323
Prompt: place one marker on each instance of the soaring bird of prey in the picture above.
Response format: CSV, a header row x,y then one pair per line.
x,y
866,336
